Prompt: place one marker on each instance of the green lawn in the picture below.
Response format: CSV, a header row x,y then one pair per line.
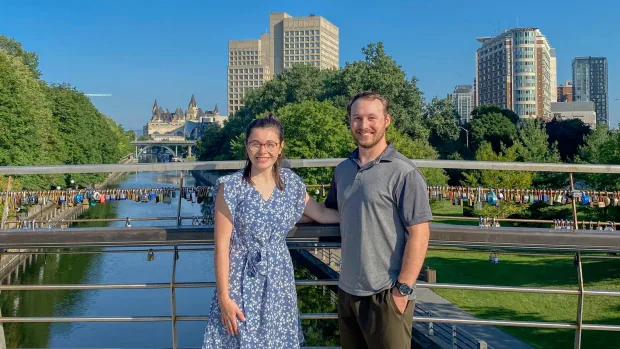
x,y
534,271
458,266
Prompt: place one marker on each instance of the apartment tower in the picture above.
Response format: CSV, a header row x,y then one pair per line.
x,y
515,70
311,40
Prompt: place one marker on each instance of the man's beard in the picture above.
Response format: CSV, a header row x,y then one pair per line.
x,y
377,136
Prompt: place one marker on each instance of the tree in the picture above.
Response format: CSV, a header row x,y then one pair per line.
x,y
14,48
27,136
315,130
379,72
496,178
534,147
569,135
441,121
206,147
418,149
56,124
494,128
492,108
85,136
602,146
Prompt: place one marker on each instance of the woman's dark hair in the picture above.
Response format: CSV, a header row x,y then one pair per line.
x,y
269,121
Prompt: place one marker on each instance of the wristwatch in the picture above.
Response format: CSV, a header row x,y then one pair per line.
x,y
403,289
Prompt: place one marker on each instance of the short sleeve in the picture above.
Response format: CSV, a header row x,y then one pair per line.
x,y
412,199
297,191
331,201
230,192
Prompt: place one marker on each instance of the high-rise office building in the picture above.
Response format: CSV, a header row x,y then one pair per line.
x,y
554,77
463,102
565,92
590,84
514,71
291,40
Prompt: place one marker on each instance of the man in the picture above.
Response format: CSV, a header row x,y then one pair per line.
x,y
384,222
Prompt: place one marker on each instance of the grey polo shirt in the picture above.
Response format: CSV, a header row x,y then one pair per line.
x,y
377,202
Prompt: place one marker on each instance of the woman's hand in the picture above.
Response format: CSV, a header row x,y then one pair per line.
x,y
230,313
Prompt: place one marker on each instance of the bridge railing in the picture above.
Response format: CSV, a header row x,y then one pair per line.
x,y
180,240
539,239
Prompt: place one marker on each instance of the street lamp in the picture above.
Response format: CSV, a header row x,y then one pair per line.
x,y
72,184
466,136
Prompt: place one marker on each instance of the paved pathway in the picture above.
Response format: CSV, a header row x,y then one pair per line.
x,y
439,306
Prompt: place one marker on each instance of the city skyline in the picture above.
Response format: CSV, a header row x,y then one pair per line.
x,y
167,52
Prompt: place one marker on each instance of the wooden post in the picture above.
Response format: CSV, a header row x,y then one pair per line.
x,y
5,212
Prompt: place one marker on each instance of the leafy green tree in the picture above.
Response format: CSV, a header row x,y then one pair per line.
x,y
14,48
379,72
602,146
315,130
491,108
27,136
85,135
494,128
569,135
417,149
496,178
535,147
441,121
56,124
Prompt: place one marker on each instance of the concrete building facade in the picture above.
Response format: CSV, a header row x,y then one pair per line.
x,y
164,124
463,102
584,111
590,84
565,92
514,71
311,40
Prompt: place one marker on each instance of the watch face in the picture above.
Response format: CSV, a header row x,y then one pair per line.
x,y
404,289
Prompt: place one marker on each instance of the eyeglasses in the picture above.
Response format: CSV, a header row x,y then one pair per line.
x,y
269,146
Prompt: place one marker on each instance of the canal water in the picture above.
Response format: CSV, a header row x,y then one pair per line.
x,y
117,267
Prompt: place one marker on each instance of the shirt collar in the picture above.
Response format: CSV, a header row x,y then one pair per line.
x,y
387,155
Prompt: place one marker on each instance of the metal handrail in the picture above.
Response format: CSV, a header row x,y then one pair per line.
x,y
441,235
305,163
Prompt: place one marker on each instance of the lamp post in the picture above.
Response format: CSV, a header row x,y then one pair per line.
x,y
466,136
72,184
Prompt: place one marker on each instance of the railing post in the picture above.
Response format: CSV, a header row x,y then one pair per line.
x,y
179,220
173,301
454,346
577,344
431,327
482,344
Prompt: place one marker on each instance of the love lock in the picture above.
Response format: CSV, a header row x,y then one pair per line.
x,y
611,226
493,257
128,223
150,256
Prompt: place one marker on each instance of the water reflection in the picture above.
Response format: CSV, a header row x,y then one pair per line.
x,y
115,267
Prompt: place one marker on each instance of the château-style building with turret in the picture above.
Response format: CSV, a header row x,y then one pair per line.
x,y
186,124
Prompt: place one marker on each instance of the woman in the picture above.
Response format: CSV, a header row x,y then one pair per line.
x,y
255,304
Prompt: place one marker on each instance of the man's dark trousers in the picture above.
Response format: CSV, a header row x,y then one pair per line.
x,y
374,322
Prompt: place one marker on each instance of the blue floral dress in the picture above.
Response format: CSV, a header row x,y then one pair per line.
x,y
261,278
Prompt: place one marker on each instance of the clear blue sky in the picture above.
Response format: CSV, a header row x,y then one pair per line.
x,y
141,50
